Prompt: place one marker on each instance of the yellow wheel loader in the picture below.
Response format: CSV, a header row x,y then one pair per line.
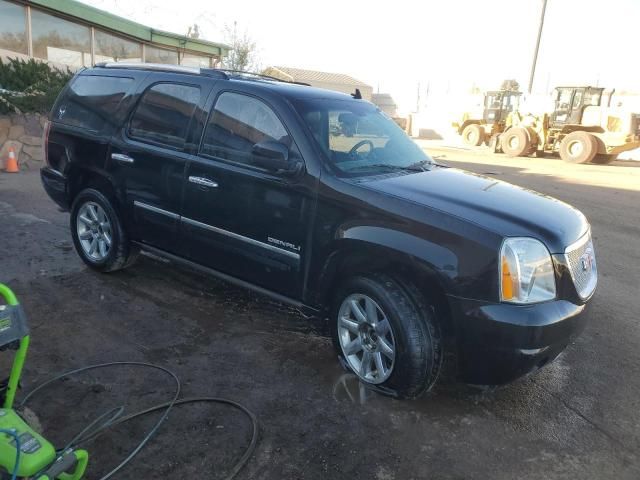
x,y
484,126
580,129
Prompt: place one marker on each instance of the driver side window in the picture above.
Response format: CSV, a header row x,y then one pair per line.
x,y
237,122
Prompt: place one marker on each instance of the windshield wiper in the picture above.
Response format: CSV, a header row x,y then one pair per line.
x,y
421,165
394,168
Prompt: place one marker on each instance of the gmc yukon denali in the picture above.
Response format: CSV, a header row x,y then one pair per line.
x,y
319,200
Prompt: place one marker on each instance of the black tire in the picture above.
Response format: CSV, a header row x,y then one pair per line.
x,y
604,159
515,142
121,253
579,147
416,333
473,135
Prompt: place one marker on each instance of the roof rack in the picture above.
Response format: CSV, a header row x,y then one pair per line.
x,y
162,67
225,74
259,76
149,66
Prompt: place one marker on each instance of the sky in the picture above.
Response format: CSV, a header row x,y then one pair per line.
x,y
435,47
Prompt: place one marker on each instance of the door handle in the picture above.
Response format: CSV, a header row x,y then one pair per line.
x,y
205,182
121,157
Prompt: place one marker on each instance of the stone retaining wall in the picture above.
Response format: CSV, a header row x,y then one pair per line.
x,y
23,132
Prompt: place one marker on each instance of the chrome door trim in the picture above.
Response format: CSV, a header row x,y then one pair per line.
x,y
242,238
151,208
121,157
205,182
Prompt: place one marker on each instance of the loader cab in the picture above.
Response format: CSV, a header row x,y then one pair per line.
x,y
570,103
499,104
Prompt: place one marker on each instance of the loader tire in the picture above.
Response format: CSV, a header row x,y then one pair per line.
x,y
473,135
515,142
579,147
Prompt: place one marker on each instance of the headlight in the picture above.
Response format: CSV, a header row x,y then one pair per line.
x,y
526,271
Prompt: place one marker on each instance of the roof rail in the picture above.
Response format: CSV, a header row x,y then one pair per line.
x,y
149,66
210,72
241,73
162,67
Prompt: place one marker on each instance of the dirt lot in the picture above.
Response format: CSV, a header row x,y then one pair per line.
x,y
578,418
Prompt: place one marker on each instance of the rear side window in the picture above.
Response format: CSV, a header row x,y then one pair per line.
x,y
164,113
92,102
237,123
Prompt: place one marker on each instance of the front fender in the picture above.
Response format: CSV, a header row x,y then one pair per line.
x,y
458,266
439,259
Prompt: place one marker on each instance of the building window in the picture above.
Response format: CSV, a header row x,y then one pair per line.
x,y
109,48
191,60
13,28
59,40
160,55
164,113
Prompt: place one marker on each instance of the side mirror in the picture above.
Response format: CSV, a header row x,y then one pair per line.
x,y
274,156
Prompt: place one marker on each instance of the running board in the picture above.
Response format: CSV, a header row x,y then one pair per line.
x,y
304,309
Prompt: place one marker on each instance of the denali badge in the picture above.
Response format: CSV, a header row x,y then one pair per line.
x,y
282,243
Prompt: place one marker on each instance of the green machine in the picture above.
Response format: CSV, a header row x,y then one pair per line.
x,y
24,453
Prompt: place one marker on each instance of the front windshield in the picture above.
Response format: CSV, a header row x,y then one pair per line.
x,y
358,139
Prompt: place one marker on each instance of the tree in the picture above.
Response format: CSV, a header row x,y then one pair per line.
x,y
510,85
194,31
244,53
29,85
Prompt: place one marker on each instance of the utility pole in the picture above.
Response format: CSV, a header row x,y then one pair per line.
x,y
535,53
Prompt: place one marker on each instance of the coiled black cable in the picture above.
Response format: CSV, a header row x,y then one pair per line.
x,y
114,417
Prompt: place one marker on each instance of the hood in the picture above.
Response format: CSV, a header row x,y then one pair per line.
x,y
498,206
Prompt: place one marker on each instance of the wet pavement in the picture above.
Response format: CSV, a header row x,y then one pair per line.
x,y
577,418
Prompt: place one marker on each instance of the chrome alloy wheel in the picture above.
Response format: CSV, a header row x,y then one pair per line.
x,y
94,231
366,339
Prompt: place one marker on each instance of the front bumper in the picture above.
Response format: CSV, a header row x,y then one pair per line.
x,y
56,186
499,343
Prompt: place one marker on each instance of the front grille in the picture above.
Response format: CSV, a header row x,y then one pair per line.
x,y
582,265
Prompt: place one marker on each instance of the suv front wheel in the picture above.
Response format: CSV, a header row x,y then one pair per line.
x,y
98,234
387,335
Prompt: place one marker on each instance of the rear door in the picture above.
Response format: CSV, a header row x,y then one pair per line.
x,y
149,155
241,219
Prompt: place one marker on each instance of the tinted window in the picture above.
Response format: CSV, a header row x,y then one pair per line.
x,y
237,123
92,101
164,113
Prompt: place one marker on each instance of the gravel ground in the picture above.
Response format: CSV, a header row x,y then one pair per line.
x,y
577,418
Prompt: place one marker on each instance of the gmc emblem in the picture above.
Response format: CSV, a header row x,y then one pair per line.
x,y
586,260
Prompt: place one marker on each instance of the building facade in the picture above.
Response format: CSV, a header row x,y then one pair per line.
x,y
73,34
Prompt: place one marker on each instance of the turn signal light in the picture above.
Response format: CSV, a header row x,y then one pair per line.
x,y
507,281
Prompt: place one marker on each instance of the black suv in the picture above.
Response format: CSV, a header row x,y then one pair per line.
x,y
319,200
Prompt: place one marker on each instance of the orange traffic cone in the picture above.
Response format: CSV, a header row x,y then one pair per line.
x,y
11,165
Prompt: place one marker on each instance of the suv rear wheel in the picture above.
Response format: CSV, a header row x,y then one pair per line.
x,y
387,335
97,232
